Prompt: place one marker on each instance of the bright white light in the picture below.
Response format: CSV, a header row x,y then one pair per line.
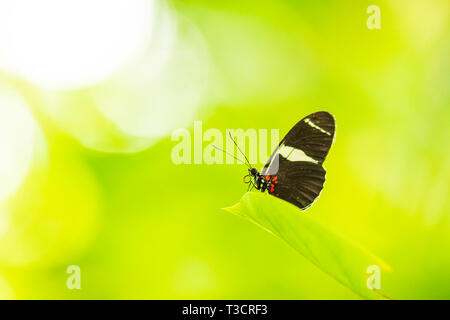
x,y
160,91
72,43
76,112
18,136
151,100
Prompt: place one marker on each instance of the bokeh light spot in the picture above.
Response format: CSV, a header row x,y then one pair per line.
x,y
151,100
67,44
19,133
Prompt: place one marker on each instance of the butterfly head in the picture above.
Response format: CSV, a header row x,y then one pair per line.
x,y
253,171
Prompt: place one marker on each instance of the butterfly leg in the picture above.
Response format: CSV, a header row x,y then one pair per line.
x,y
253,185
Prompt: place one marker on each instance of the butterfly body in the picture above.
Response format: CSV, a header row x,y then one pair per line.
x,y
263,182
294,171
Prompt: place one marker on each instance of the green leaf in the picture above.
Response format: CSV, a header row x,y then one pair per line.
x,y
343,259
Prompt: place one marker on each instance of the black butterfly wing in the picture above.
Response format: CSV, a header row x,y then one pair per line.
x,y
313,135
295,167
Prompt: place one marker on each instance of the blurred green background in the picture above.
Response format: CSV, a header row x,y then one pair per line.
x,y
90,92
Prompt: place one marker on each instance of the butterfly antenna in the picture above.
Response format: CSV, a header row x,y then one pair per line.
x,y
229,154
231,137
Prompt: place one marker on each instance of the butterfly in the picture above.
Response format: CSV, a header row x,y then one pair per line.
x,y
294,171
